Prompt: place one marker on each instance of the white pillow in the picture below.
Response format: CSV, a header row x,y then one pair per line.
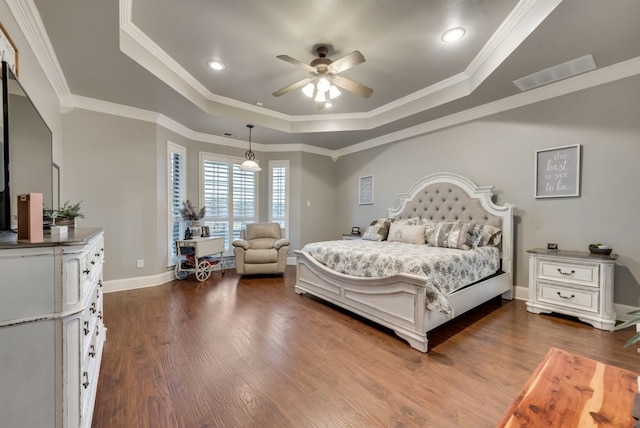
x,y
412,234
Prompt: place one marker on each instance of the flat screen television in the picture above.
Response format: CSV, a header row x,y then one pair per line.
x,y
25,159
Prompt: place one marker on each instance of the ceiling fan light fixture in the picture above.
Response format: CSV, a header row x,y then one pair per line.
x,y
453,34
320,97
250,164
334,92
309,89
323,84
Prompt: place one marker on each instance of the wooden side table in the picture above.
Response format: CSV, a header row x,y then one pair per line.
x,y
349,237
573,283
568,390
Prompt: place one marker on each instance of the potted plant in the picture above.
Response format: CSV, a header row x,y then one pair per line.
x,y
634,321
67,214
192,217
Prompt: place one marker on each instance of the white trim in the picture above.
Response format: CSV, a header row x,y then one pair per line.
x,y
26,14
517,26
137,282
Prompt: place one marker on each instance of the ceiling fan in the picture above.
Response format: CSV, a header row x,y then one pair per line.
x,y
325,80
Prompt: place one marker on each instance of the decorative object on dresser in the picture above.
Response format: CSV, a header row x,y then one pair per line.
x,y
407,300
192,217
573,283
66,215
51,329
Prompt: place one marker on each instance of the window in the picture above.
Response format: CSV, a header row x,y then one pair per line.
x,y
176,186
279,193
230,196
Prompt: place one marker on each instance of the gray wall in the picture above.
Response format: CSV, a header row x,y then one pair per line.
x,y
499,151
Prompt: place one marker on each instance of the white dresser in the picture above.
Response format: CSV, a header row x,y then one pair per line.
x,y
51,329
573,283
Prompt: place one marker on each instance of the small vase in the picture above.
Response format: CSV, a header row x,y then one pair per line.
x,y
196,229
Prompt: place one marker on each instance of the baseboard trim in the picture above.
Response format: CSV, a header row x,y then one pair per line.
x,y
137,282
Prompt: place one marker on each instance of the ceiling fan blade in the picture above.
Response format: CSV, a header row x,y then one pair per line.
x,y
352,86
292,87
296,62
346,62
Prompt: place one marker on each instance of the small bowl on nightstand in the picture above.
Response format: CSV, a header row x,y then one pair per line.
x,y
601,251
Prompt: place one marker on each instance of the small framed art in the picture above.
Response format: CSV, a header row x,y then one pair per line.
x,y
365,190
557,172
205,232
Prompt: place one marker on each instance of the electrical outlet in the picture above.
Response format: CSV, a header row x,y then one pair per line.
x,y
140,263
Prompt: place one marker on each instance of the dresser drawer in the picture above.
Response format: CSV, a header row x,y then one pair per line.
x,y
572,272
566,297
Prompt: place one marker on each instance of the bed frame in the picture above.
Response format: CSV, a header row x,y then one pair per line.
x,y
398,302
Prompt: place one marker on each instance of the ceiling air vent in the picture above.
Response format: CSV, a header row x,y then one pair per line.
x,y
557,72
230,135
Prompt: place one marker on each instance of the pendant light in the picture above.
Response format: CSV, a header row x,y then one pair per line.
x,y
250,164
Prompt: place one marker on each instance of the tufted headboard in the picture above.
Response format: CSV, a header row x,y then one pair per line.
x,y
451,197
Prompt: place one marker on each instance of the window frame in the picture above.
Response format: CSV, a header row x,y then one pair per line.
x,y
280,164
232,161
171,218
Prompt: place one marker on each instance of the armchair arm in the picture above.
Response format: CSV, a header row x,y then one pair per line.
x,y
280,243
241,243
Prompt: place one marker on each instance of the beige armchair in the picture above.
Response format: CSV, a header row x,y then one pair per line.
x,y
262,248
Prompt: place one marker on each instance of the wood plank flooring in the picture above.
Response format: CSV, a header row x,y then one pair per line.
x,y
249,352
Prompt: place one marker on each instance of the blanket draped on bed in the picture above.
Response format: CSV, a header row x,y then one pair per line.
x,y
445,270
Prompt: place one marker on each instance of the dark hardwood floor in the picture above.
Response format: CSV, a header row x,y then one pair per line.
x,y
249,352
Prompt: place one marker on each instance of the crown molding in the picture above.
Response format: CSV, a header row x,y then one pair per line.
x,y
520,23
28,18
577,83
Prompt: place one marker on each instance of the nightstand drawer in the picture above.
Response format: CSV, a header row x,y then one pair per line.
x,y
586,300
575,273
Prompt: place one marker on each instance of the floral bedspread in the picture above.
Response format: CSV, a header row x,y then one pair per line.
x,y
445,270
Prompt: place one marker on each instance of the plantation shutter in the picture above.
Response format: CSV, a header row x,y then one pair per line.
x,y
176,195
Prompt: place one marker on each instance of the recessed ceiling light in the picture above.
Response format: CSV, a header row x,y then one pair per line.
x,y
453,34
216,65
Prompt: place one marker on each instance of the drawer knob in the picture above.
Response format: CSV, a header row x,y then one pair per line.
x,y
566,273
566,297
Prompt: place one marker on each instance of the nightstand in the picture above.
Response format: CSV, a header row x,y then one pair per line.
x,y
573,283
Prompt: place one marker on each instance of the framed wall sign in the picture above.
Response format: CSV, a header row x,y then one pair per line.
x,y
557,172
365,190
8,50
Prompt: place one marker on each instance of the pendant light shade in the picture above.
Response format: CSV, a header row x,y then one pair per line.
x,y
250,164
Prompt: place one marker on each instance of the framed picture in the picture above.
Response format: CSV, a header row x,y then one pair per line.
x,y
365,190
355,230
8,50
205,232
557,172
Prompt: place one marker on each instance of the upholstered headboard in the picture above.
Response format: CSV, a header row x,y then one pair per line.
x,y
451,197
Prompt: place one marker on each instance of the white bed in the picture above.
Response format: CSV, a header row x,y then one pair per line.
x,y
399,301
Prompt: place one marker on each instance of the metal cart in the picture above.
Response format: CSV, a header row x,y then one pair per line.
x,y
200,256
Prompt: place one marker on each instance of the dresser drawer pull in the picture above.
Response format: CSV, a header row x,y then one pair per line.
x,y
86,328
566,273
92,353
92,309
93,262
85,376
100,314
566,297
86,271
100,283
97,254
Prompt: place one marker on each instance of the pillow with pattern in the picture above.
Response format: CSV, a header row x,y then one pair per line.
x,y
410,233
449,234
484,235
377,230
412,221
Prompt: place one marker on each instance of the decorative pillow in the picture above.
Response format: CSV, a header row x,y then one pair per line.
x,y
409,221
377,230
449,234
482,235
410,233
